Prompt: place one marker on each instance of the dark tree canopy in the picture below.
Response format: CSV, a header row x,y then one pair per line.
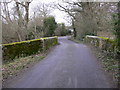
x,y
49,26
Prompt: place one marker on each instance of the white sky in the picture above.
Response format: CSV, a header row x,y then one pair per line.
x,y
59,15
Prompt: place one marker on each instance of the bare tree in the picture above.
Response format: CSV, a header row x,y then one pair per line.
x,y
43,9
26,6
15,20
71,12
40,12
89,17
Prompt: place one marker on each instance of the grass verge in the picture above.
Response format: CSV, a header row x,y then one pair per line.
x,y
13,68
109,63
18,66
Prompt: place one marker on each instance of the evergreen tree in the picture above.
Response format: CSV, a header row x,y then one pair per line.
x,y
49,26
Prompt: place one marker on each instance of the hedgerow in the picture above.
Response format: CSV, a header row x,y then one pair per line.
x,y
26,48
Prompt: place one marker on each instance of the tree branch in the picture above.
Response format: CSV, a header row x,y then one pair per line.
x,y
66,10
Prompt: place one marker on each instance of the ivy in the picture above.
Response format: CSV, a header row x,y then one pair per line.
x,y
116,21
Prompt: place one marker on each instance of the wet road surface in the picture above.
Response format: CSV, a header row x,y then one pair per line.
x,y
68,65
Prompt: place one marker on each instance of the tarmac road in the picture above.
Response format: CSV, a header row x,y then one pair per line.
x,y
68,65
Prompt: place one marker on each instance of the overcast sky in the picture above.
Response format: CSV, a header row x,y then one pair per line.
x,y
59,15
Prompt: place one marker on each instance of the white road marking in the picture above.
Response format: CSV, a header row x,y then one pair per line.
x,y
69,81
76,82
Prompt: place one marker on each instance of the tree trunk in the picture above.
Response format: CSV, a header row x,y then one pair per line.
x,y
19,36
19,22
27,13
74,29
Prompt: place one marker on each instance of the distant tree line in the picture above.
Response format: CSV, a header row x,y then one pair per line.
x,y
94,18
61,30
90,18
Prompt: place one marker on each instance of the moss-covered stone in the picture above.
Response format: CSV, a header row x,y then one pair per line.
x,y
102,42
26,48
